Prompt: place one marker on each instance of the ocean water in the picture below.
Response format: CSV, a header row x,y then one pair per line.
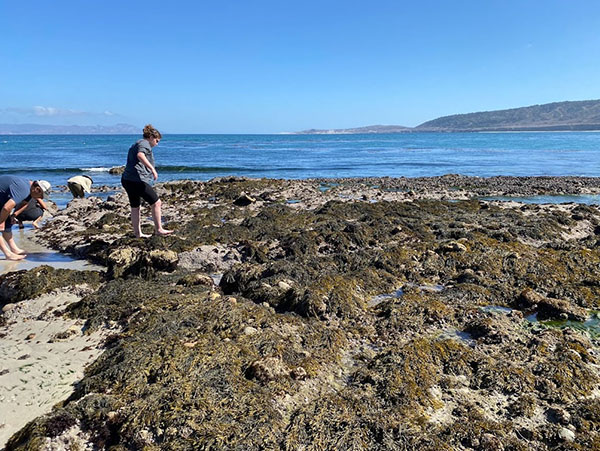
x,y
202,157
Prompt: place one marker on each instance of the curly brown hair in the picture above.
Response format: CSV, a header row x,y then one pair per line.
x,y
151,132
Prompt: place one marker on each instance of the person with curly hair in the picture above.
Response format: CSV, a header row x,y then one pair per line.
x,y
140,173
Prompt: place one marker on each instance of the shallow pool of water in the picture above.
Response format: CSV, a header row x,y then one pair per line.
x,y
38,255
590,325
496,309
587,199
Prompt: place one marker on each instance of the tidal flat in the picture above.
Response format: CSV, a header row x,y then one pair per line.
x,y
331,314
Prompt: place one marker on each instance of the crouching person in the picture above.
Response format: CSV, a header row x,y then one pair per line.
x,y
13,191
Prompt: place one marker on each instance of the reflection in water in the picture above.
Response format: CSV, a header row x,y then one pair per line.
x,y
48,257
38,255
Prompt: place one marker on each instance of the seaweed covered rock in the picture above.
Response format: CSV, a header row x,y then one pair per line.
x,y
344,323
550,308
127,261
20,285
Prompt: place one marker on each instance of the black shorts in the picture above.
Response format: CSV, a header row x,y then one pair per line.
x,y
137,191
30,213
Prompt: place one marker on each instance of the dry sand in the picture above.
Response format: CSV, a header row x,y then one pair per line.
x,y
41,354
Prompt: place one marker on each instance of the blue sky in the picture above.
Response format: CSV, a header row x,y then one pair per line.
x,y
275,66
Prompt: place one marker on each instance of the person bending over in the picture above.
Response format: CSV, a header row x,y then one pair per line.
x,y
136,179
79,185
13,191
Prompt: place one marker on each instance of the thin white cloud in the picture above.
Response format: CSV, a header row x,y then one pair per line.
x,y
56,112
50,111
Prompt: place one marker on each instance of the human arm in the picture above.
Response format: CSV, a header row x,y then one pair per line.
x,y
20,208
42,204
142,157
5,212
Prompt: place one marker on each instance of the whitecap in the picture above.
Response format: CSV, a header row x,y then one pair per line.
x,y
95,169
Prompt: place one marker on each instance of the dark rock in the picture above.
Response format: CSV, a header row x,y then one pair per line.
x,y
244,200
117,170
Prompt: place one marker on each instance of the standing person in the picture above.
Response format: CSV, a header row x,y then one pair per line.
x,y
78,184
13,191
136,179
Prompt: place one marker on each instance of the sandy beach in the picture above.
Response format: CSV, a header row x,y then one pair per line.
x,y
42,354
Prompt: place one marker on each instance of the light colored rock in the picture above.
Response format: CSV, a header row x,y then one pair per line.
x,y
284,285
8,307
249,330
566,434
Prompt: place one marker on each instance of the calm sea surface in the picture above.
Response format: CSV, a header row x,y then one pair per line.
x,y
202,157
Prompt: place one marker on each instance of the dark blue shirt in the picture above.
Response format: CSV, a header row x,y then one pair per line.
x,y
13,187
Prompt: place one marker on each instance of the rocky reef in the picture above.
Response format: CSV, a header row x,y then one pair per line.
x,y
334,314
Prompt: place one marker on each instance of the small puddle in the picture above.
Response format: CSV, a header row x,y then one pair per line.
x,y
293,201
384,297
587,199
324,187
590,325
496,309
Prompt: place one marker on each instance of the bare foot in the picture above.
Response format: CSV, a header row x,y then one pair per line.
x,y
164,232
15,257
143,235
18,251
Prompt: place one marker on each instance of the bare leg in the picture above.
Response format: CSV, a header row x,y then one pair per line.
x,y
135,222
7,252
156,216
21,225
8,237
35,223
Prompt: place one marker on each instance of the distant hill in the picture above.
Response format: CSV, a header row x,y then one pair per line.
x,y
582,115
558,116
40,129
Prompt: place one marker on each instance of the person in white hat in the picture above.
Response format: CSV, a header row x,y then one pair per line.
x,y
13,191
79,185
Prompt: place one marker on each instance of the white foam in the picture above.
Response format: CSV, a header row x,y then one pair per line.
x,y
95,169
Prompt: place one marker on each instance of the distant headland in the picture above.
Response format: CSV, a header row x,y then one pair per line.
x,y
42,129
558,116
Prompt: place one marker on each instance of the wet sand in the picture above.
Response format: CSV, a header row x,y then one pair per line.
x,y
38,255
